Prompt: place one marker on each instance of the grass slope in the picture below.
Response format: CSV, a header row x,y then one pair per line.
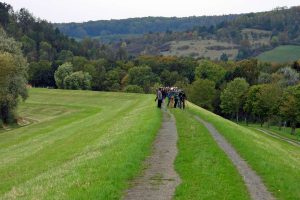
x,y
205,170
276,161
281,54
82,145
284,132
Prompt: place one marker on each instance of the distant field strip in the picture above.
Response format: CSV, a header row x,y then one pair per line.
x,y
80,145
281,54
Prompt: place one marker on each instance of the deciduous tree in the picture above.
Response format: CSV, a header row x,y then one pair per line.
x,y
233,96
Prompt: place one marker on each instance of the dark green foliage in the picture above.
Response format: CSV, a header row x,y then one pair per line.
x,y
61,73
142,76
263,101
210,70
290,106
233,96
78,81
202,92
13,74
139,25
133,89
41,73
4,13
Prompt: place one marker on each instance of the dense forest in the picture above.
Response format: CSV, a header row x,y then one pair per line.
x,y
139,25
33,49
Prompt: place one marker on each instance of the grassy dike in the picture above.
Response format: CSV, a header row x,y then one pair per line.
x,y
205,170
81,145
276,161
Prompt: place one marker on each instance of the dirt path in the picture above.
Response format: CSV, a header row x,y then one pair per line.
x,y
159,180
256,188
270,133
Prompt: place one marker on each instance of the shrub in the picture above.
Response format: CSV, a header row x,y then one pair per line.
x,y
134,89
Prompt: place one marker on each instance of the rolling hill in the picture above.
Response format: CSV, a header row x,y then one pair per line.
x,y
238,36
143,25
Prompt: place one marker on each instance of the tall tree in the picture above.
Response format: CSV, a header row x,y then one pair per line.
x,y
202,92
233,96
13,73
290,106
211,71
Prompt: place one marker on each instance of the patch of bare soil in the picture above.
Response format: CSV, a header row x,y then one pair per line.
x,y
159,180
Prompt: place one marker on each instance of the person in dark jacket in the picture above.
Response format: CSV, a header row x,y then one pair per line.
x,y
182,99
176,99
159,98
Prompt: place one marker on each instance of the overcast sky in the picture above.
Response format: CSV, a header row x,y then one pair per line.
x,y
85,10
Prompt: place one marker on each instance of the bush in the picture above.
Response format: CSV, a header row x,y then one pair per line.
x,y
61,73
78,81
133,89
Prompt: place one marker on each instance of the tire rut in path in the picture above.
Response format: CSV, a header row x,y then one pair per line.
x,y
159,180
255,186
278,137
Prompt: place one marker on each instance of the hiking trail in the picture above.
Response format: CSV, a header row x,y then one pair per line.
x,y
159,180
253,182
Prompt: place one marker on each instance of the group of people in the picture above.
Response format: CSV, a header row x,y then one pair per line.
x,y
176,97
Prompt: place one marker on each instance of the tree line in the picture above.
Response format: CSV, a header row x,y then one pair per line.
x,y
138,25
249,91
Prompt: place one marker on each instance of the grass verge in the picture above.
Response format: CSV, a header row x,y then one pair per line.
x,y
205,170
276,161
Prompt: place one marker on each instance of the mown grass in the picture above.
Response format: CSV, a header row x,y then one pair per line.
x,y
205,170
276,161
281,54
81,145
284,132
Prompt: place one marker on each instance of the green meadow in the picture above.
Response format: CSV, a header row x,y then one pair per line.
x,y
90,145
79,145
281,54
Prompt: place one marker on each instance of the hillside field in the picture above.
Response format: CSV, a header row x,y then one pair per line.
x,y
211,49
281,54
79,145
90,145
